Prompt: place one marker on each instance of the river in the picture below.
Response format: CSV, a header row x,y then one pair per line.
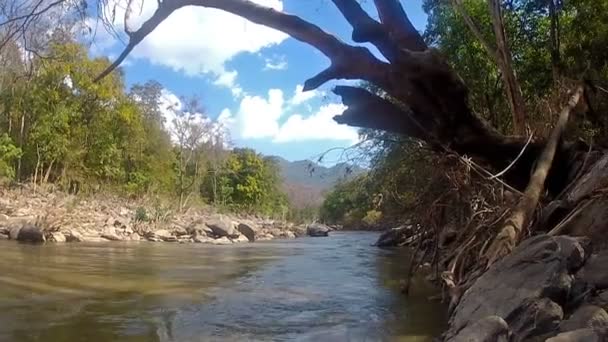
x,y
309,289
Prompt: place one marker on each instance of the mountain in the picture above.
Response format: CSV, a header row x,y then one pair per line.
x,y
305,182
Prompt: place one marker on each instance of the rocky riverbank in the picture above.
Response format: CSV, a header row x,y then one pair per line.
x,y
27,215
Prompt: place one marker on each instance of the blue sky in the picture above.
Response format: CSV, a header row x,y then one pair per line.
x,y
248,77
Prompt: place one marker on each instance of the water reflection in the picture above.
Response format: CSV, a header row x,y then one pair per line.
x,y
322,289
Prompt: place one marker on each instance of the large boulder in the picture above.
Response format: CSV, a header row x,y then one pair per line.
x,y
595,271
317,229
31,233
580,335
587,316
74,236
488,329
394,237
518,287
109,233
248,229
222,227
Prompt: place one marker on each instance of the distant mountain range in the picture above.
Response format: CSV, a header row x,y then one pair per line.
x,y
305,181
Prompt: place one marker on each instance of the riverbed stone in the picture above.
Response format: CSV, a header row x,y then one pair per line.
x,y
221,241
222,227
3,218
240,239
538,268
595,271
488,329
31,233
74,236
134,237
109,233
317,229
14,232
394,237
202,239
587,316
535,318
580,335
57,237
248,229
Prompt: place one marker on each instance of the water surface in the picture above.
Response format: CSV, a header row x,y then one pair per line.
x,y
310,289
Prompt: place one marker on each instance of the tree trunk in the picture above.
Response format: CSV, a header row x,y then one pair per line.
x,y
554,35
48,172
20,146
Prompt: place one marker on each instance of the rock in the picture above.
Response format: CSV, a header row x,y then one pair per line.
x,y
248,229
587,316
202,239
199,227
57,237
580,335
109,233
74,236
240,239
161,234
153,239
299,231
180,231
288,234
222,227
31,233
14,233
169,238
221,241
394,237
538,268
317,229
265,237
595,272
535,318
488,329
3,218
134,237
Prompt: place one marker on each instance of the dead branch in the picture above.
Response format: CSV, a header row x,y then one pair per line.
x,y
509,235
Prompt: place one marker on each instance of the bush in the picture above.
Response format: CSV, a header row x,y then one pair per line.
x,y
141,214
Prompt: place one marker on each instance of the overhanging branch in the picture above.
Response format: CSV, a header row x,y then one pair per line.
x,y
348,62
400,27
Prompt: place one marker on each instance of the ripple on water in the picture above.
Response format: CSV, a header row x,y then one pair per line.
x,y
322,289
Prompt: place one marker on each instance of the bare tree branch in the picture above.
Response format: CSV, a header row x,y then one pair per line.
x,y
348,62
399,26
366,29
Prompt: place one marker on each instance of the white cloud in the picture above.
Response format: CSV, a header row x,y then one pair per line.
x,y
318,126
275,63
259,118
197,40
300,96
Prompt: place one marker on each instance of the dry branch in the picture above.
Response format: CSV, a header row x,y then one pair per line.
x,y
509,235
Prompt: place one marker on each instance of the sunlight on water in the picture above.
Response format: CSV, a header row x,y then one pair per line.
x,y
313,289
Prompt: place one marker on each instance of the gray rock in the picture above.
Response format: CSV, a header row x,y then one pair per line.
x,y
134,237
153,239
288,234
31,233
74,236
240,239
394,237
110,234
4,237
535,318
248,229
488,329
595,271
180,231
587,316
57,237
221,241
202,239
299,231
580,335
538,268
3,218
222,227
14,232
160,234
169,238
317,229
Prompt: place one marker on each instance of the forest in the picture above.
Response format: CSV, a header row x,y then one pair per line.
x,y
59,128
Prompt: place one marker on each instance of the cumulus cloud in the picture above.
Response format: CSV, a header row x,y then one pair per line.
x,y
196,40
318,126
260,118
300,96
275,63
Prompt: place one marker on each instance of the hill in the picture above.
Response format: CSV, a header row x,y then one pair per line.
x,y
305,181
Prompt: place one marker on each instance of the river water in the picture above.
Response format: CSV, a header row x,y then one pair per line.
x,y
310,289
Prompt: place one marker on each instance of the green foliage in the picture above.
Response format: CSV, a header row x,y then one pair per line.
x,y
141,214
8,154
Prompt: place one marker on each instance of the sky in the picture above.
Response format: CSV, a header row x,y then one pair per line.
x,y
248,77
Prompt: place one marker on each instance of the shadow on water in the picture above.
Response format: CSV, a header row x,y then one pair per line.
x,y
321,289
